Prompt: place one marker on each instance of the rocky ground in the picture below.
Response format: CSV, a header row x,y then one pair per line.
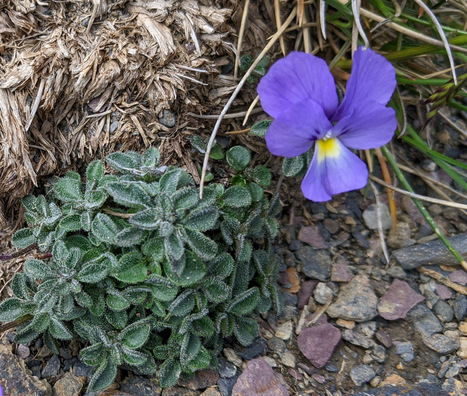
x,y
352,324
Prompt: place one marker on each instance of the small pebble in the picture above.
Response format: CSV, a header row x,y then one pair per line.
x,y
23,351
361,374
284,330
405,350
232,357
323,293
288,358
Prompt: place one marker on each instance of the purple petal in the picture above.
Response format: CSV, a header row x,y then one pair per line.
x,y
293,131
297,77
370,125
334,169
373,78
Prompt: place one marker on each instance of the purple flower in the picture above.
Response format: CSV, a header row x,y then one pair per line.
x,y
300,93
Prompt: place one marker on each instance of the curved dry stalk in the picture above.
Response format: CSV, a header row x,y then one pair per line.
x,y
240,36
358,23
418,196
322,17
380,223
250,109
273,40
442,35
277,15
419,36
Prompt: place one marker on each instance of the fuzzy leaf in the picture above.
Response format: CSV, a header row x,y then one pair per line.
x,y
245,330
203,246
260,128
169,182
193,271
150,157
37,269
244,303
169,373
25,335
148,219
185,198
95,171
124,162
272,227
83,299
19,286
85,220
93,355
237,197
162,289
130,236
293,166
104,228
131,195
200,361
189,348
135,335
215,290
187,322
23,238
256,191
93,272
262,176
117,302
203,219
103,376
238,157
183,304
11,309
174,246
154,247
94,199
133,357
118,319
230,228
203,327
68,189
131,268
59,330
222,266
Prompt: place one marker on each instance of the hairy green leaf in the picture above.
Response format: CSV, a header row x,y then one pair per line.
x,y
169,373
237,197
238,157
23,238
134,336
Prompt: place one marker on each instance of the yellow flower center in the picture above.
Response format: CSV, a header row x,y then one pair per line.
x,y
327,147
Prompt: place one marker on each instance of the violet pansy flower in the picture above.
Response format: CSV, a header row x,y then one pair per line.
x,y
299,92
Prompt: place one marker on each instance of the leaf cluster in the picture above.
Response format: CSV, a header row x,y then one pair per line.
x,y
143,271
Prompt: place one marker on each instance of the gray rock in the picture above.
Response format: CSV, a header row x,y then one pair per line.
x,y
70,384
226,369
358,339
82,370
441,344
370,217
167,119
424,321
254,350
226,384
23,351
113,126
405,350
433,252
322,293
317,343
398,300
361,374
276,344
140,386
316,263
459,305
444,311
259,379
356,301
16,379
52,367
397,272
378,353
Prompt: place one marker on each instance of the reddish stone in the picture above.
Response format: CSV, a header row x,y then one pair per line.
x,y
340,271
458,276
444,292
258,380
202,379
398,300
317,343
294,280
306,292
384,338
311,236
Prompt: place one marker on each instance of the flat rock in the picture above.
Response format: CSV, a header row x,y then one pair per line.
x,y
16,379
361,374
258,380
70,385
201,380
312,237
356,301
52,367
211,392
340,271
398,301
370,216
179,391
317,343
316,263
284,330
458,276
305,292
431,253
441,344
424,321
358,339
